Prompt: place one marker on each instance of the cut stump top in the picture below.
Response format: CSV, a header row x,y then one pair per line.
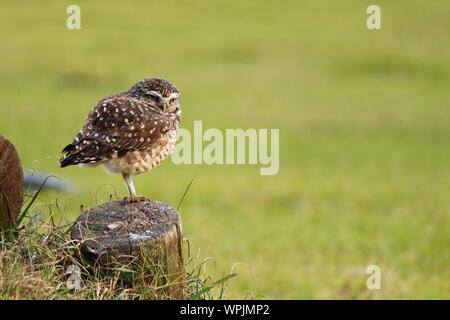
x,y
119,228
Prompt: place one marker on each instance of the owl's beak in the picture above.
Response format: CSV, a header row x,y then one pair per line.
x,y
172,109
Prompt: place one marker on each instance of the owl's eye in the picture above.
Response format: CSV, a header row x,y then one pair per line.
x,y
152,97
172,101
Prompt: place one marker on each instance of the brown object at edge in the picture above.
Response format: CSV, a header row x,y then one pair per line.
x,y
11,180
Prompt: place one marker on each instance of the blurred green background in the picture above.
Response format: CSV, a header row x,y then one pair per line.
x,y
363,116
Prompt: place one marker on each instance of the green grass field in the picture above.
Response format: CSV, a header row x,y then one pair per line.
x,y
364,119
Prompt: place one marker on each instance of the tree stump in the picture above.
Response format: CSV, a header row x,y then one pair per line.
x,y
11,183
134,236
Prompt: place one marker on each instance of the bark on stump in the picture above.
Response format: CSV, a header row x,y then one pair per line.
x,y
134,235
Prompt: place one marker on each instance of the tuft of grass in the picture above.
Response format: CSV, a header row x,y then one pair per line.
x,y
49,265
39,260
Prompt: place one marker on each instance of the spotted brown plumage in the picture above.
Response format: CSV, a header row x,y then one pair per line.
x,y
129,132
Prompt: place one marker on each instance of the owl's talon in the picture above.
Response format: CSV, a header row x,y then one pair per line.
x,y
136,199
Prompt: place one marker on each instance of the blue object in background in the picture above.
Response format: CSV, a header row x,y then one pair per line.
x,y
33,180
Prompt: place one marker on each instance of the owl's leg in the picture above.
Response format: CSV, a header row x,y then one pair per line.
x,y
133,197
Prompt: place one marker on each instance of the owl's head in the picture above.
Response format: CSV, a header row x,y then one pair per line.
x,y
159,94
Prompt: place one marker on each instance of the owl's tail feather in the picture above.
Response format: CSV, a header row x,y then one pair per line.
x,y
68,148
86,154
70,158
68,161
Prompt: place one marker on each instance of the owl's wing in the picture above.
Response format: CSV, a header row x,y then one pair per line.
x,y
115,126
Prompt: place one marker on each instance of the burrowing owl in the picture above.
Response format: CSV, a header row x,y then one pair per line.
x,y
129,132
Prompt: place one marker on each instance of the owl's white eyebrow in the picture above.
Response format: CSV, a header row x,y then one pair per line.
x,y
174,95
154,93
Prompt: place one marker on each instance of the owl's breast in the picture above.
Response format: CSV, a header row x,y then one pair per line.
x,y
137,162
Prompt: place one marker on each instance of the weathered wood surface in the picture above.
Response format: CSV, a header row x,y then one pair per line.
x,y
132,235
11,182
